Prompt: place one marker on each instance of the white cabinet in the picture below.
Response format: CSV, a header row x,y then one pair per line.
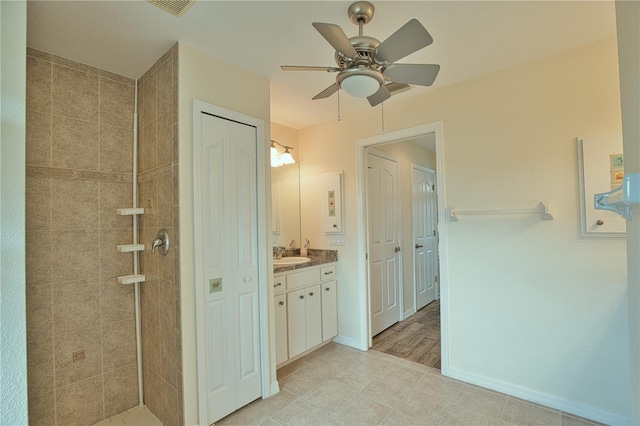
x,y
282,351
306,312
329,310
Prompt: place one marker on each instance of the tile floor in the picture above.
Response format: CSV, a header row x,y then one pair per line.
x,y
337,385
139,416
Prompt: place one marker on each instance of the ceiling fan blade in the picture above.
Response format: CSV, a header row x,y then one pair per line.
x,y
327,92
395,88
308,68
336,38
420,74
410,38
380,96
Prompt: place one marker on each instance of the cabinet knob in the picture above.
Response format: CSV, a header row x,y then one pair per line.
x,y
327,288
311,294
277,285
328,273
281,303
302,296
247,279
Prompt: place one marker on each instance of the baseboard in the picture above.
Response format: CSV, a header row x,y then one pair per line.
x,y
275,388
348,341
408,313
548,400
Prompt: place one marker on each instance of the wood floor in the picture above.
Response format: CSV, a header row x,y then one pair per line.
x,y
416,339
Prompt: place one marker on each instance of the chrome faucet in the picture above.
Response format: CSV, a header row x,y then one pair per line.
x,y
277,254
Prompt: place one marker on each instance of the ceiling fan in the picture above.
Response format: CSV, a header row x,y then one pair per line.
x,y
366,67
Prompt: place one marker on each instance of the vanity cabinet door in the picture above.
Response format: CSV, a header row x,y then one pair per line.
x,y
329,310
282,350
313,316
296,322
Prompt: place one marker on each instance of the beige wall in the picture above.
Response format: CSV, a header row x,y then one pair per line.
x,y
407,154
158,194
209,79
533,308
79,170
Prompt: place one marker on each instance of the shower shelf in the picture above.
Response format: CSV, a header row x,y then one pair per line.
x,y
128,248
131,279
130,211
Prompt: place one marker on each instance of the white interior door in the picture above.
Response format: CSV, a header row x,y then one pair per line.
x,y
383,222
230,264
425,222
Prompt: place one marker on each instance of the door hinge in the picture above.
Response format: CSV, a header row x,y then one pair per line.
x,y
433,187
436,278
366,256
434,232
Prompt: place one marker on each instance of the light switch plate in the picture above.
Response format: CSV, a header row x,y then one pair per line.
x,y
215,285
336,240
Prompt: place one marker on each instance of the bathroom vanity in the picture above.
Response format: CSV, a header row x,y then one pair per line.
x,y
306,307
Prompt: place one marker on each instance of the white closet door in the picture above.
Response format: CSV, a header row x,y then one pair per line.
x,y
230,269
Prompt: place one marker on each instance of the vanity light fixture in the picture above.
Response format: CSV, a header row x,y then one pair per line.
x,y
278,159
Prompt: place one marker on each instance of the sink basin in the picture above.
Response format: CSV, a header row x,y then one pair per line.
x,y
293,260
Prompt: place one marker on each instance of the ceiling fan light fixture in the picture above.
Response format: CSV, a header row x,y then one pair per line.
x,y
360,82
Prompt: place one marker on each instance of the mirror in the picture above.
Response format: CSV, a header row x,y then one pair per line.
x,y
285,202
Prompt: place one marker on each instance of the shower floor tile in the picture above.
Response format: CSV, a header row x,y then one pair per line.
x,y
139,416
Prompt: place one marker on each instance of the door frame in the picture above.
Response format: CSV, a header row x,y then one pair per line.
x,y
386,156
200,107
435,128
413,233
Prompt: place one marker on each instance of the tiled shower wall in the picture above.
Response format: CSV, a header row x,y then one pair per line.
x,y
158,194
80,321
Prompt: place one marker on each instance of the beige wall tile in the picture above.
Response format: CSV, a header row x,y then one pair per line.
x,y
75,204
152,391
148,198
150,300
165,138
118,78
164,86
79,66
38,138
120,390
40,366
149,106
118,344
39,313
170,412
115,195
67,371
75,94
167,305
165,201
116,103
113,262
76,306
42,409
38,203
116,300
116,149
147,152
38,85
75,143
38,257
80,403
169,357
75,255
39,54
151,347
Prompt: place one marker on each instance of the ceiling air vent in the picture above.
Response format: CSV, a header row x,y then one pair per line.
x,y
174,7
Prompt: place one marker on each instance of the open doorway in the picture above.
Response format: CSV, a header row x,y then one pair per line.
x,y
419,333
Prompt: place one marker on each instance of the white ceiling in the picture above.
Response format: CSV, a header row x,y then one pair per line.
x,y
471,38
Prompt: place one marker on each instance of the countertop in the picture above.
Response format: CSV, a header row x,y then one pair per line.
x,y
318,257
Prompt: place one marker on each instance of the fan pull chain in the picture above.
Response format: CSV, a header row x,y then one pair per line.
x,y
339,118
382,108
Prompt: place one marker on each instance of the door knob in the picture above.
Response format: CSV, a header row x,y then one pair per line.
x,y
419,246
281,303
